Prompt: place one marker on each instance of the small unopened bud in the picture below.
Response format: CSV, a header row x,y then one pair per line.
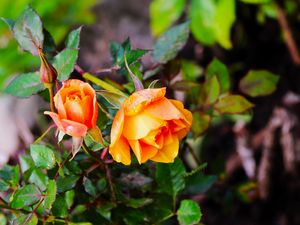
x,y
48,73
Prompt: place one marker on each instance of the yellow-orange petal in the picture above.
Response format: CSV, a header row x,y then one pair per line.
x,y
168,153
95,111
121,151
74,109
138,126
87,110
188,117
117,127
136,102
143,152
163,109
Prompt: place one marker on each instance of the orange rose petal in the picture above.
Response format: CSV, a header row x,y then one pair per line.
x,y
56,120
168,153
74,109
117,127
95,111
188,117
143,152
163,109
138,126
140,99
87,110
121,151
58,101
74,129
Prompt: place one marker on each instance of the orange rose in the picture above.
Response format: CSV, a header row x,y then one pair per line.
x,y
151,125
77,109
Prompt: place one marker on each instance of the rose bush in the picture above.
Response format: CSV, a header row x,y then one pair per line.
x,y
77,109
151,125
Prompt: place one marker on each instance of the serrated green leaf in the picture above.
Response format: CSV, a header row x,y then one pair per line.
x,y
66,183
138,202
49,43
170,177
60,208
198,183
26,196
69,197
217,68
28,30
89,187
233,104
64,63
26,162
30,219
114,99
170,43
50,195
259,83
10,23
73,38
42,156
164,13
4,186
189,213
25,85
200,124
101,184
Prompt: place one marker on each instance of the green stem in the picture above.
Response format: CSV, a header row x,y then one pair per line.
x,y
50,87
43,135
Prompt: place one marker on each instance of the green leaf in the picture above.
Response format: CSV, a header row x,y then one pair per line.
x,y
211,21
60,208
101,184
190,70
49,43
4,186
64,63
164,13
259,83
170,43
202,15
3,220
10,23
50,195
233,104
211,90
256,1
26,162
138,202
69,197
189,213
66,183
89,187
217,68
10,174
26,196
28,30
185,85
73,38
42,156
114,99
38,178
200,124
170,177
25,85
105,210
30,219
224,19
198,183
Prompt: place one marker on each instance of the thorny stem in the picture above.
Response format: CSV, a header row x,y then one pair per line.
x,y
288,35
61,165
104,166
43,135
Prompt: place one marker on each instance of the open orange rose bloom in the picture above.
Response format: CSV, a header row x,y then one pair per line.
x,y
77,109
151,125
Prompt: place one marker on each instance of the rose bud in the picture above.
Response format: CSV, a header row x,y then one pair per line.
x,y
151,125
77,112
48,73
